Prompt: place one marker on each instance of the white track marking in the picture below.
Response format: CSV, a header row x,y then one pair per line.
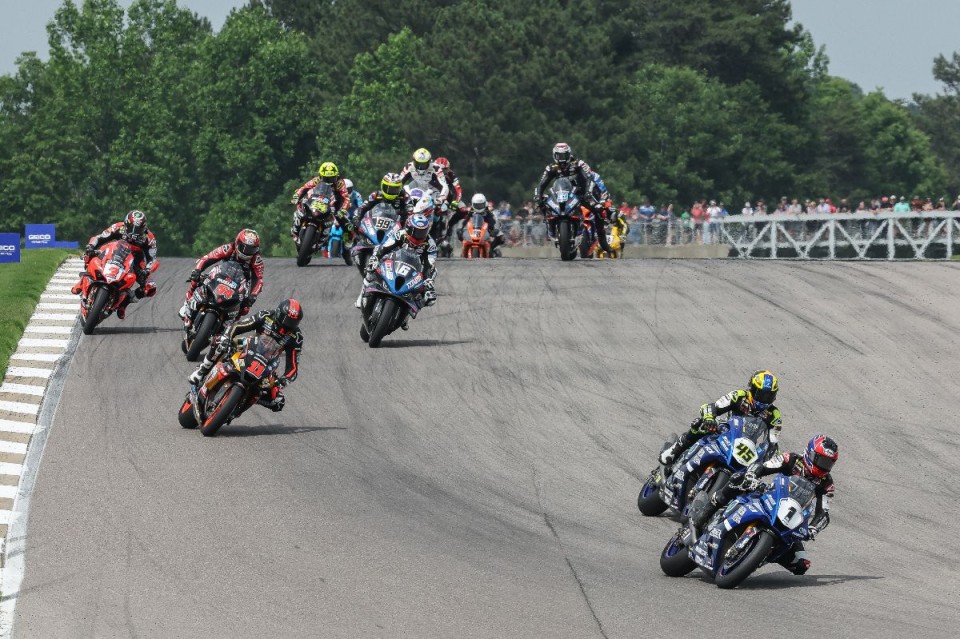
x,y
6,517
26,371
8,492
15,448
60,296
58,317
57,306
63,330
20,407
11,426
11,469
44,342
37,357
22,389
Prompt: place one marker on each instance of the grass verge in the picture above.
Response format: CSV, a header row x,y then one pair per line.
x,y
20,288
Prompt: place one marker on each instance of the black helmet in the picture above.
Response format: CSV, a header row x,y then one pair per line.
x,y
288,314
135,226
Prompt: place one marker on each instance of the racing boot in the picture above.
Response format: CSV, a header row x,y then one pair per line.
x,y
669,455
197,376
122,309
798,564
186,313
404,325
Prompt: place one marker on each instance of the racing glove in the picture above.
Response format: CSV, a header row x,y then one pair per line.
x,y
429,297
89,250
194,276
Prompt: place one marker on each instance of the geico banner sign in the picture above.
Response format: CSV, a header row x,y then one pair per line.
x,y
9,247
41,235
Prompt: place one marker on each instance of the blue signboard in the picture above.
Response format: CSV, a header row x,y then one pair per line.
x,y
41,236
9,247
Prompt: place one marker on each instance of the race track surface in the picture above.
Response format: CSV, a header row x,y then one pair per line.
x,y
477,476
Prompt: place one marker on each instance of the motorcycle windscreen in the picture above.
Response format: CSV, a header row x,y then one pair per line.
x,y
401,271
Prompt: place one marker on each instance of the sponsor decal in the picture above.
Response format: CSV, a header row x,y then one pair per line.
x,y
40,235
9,247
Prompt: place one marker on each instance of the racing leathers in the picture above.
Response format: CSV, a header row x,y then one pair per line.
x,y
427,250
264,323
401,204
429,178
736,402
253,270
147,246
341,201
795,560
464,213
580,173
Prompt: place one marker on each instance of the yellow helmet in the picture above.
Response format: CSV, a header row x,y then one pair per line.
x,y
421,159
763,388
328,171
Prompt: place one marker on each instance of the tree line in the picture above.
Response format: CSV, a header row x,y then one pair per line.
x,y
209,132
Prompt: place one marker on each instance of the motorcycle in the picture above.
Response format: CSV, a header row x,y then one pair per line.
x,y
752,530
233,385
706,466
588,236
337,246
108,280
563,212
375,227
218,300
615,239
314,231
476,238
394,295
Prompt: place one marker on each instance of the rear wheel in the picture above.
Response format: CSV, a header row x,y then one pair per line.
x,y
567,251
735,569
586,246
648,501
202,338
345,254
223,411
186,416
675,559
96,310
336,246
364,333
305,252
475,252
384,322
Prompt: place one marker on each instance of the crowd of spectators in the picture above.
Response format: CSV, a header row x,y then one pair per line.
x,y
699,223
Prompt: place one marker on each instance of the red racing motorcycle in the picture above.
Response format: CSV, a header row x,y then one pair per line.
x,y
108,281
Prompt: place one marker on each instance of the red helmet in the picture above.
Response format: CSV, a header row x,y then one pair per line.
x,y
287,315
442,163
820,456
247,245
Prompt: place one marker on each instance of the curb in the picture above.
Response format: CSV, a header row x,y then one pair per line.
x,y
32,367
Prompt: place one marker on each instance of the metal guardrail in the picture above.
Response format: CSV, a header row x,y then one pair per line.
x,y
885,236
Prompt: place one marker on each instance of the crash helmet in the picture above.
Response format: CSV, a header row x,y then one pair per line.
x,y
287,315
562,153
135,226
478,203
418,226
391,186
328,172
821,454
763,387
247,245
421,159
347,182
442,164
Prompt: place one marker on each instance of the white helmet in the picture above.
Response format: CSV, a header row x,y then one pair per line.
x,y
478,203
348,183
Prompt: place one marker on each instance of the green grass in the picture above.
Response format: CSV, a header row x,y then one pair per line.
x,y
20,288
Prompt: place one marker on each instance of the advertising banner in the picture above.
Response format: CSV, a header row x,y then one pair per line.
x,y
9,247
41,236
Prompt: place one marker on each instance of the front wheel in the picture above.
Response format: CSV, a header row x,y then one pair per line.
x,y
475,252
564,233
305,252
186,416
735,569
675,559
336,247
388,311
96,310
202,337
648,501
223,412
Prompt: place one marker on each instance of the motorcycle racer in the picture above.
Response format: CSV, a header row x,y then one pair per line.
x,y
132,229
391,192
329,173
283,325
421,170
245,249
757,399
814,464
478,204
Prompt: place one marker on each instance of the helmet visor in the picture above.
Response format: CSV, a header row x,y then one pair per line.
x,y
246,250
764,396
822,462
418,234
289,323
562,156
391,190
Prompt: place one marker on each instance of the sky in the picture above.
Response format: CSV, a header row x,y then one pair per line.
x,y
888,44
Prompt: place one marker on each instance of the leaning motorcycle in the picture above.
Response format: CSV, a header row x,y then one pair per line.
x,y
233,385
375,226
394,294
218,300
752,530
314,231
706,466
108,280
563,213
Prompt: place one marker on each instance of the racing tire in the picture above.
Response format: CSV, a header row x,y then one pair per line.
x,y
336,248
345,254
364,333
186,417
585,247
224,410
202,337
648,501
305,252
475,252
675,558
756,554
96,310
384,322
564,233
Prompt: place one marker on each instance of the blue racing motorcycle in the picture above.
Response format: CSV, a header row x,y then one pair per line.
x,y
706,466
752,530
394,295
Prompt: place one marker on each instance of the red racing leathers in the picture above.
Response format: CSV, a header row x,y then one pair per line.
x,y
148,247
254,271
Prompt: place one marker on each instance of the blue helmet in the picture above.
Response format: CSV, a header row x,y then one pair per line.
x,y
418,227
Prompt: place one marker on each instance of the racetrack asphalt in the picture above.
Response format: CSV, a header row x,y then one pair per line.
x,y
477,476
